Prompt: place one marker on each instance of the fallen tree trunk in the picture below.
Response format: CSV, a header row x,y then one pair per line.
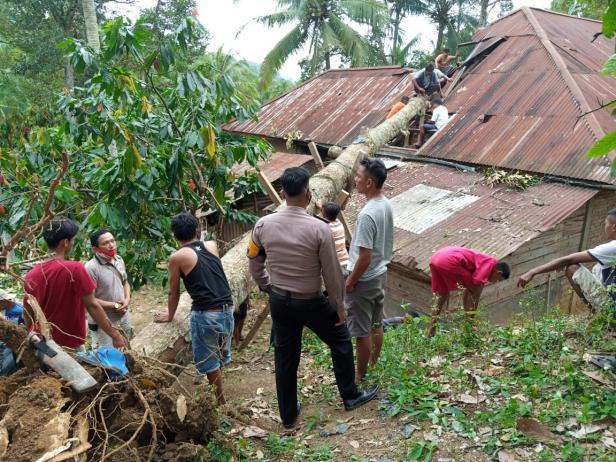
x,y
154,339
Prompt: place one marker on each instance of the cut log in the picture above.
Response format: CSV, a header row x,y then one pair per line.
x,y
154,339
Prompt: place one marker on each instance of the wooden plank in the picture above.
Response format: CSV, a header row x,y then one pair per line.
x,y
269,189
347,232
316,156
255,328
586,226
342,198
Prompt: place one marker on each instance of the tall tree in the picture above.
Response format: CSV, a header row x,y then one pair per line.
x,y
323,25
593,9
91,24
398,10
487,6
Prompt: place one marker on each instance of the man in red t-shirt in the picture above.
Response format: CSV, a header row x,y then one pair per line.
x,y
64,290
458,266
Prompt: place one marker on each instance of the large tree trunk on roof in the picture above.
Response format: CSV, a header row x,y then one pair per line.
x,y
154,339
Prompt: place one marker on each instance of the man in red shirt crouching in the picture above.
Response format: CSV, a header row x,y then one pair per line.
x,y
64,290
458,266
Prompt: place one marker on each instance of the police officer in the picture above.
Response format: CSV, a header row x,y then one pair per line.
x,y
300,249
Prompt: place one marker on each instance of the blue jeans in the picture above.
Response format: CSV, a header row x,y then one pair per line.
x,y
430,127
211,333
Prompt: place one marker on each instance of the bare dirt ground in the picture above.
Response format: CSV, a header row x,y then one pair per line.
x,y
325,431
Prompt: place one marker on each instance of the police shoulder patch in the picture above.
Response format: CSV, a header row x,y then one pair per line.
x,y
253,250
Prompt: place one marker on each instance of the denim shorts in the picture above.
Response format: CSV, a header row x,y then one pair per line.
x,y
211,333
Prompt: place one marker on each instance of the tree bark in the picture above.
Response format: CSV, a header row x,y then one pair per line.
x,y
154,339
89,18
395,39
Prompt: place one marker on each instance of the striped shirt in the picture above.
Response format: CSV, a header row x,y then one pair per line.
x,y
340,241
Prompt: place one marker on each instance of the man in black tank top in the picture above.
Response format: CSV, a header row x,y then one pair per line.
x,y
211,323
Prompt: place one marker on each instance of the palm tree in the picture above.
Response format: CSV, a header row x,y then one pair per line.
x,y
398,10
89,17
323,25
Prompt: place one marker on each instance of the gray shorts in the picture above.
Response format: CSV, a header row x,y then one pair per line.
x,y
593,289
365,306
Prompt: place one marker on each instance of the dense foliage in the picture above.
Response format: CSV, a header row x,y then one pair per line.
x,y
143,135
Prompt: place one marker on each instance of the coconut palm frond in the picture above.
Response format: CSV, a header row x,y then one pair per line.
x,y
274,60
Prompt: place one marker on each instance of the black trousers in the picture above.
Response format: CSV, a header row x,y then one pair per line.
x,y
289,317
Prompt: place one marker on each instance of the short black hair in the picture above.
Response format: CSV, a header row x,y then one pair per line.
x,y
58,229
95,236
331,210
184,226
446,50
612,213
430,67
437,101
405,99
376,169
294,181
504,268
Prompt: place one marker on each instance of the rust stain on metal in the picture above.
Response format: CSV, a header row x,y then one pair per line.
x,y
535,93
275,165
332,107
498,223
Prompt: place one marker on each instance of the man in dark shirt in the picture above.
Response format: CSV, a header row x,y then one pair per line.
x,y
211,323
297,262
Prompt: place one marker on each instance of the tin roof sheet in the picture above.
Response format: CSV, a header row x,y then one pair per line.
x,y
534,112
497,222
332,107
275,165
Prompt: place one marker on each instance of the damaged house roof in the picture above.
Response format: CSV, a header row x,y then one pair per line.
x,y
526,95
519,100
437,206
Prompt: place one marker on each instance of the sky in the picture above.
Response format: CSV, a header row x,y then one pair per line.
x,y
225,18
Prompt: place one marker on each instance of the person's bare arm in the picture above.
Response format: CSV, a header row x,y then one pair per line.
x,y
125,302
471,297
173,297
212,247
418,88
556,264
98,314
362,263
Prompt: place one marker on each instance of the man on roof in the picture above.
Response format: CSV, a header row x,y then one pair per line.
x,y
452,267
397,107
440,116
429,80
442,62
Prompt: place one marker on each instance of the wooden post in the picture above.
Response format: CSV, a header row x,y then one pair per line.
x,y
255,328
341,200
315,155
269,189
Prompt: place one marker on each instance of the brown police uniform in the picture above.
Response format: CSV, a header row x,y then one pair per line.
x,y
299,249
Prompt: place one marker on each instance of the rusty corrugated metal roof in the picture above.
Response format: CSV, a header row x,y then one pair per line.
x,y
497,223
332,107
534,88
275,164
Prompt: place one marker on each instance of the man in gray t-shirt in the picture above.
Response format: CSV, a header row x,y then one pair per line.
x,y
370,253
107,270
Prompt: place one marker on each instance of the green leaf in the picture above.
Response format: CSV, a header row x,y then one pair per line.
x,y
604,146
416,451
609,68
609,20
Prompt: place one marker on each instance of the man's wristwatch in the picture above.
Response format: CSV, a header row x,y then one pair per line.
x,y
116,306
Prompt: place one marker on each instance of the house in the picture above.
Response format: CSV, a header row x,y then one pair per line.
x,y
525,100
